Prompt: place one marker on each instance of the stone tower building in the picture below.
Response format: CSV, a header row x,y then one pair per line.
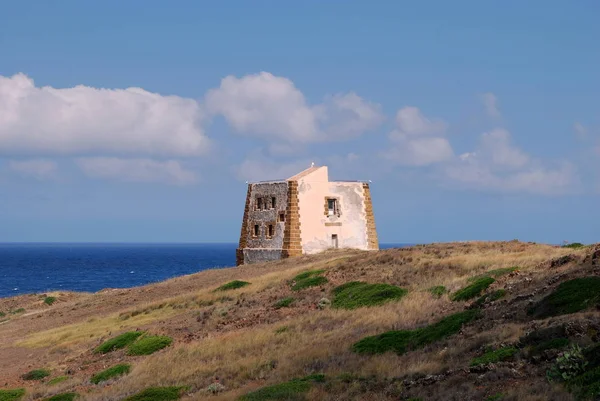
x,y
305,214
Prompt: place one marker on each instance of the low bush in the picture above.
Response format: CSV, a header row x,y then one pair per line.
x,y
574,245
555,343
292,390
309,273
403,341
148,345
499,355
49,300
569,364
115,371
357,294
438,291
569,297
118,342
62,397
284,303
37,374
157,394
493,296
473,290
2,314
309,282
233,285
495,273
17,311
587,385
57,380
12,395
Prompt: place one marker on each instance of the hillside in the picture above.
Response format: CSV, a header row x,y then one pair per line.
x,y
458,321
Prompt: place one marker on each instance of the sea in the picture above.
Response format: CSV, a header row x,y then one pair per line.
x,y
42,267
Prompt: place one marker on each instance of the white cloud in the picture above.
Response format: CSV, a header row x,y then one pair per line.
x,y
496,147
136,170
490,103
84,120
417,140
271,107
37,168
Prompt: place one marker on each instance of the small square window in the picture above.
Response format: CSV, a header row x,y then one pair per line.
x,y
271,230
332,207
259,204
282,216
256,230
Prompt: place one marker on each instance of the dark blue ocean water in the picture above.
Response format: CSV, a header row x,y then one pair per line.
x,y
37,268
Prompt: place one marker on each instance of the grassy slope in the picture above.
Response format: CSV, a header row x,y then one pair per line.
x,y
241,338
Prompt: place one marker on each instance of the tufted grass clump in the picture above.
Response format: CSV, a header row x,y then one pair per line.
x,y
402,341
438,291
284,303
115,371
310,278
37,374
495,273
62,397
49,300
569,297
57,380
499,355
118,342
356,294
233,285
493,296
14,394
148,345
292,390
309,273
473,290
158,394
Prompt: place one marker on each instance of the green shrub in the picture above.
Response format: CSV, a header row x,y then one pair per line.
x,y
62,397
17,311
37,374
356,294
49,300
495,273
568,365
284,303
57,380
587,385
309,282
574,245
2,314
12,395
406,340
555,343
438,291
118,342
233,285
569,297
498,355
309,273
495,397
292,390
473,290
117,370
494,296
148,345
592,355
157,394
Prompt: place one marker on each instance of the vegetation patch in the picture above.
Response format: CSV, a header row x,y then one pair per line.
x,y
284,303
115,371
37,374
57,380
62,397
406,340
473,290
309,273
2,314
148,345
574,245
587,385
292,390
499,355
12,395
49,300
555,343
308,279
357,294
569,297
118,342
493,296
157,394
438,291
495,273
233,285
17,311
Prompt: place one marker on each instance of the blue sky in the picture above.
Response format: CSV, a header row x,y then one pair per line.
x,y
141,121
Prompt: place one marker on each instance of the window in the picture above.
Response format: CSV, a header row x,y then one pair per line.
x,y
273,202
334,241
332,207
270,230
259,204
256,230
281,216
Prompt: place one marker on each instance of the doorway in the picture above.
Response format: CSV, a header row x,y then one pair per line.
x,y
334,241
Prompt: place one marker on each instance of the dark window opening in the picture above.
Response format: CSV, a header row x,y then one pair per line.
x,y
260,204
273,202
282,216
332,207
256,230
334,241
270,230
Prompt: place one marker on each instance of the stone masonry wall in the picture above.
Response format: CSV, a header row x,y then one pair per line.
x,y
239,252
372,239
292,243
